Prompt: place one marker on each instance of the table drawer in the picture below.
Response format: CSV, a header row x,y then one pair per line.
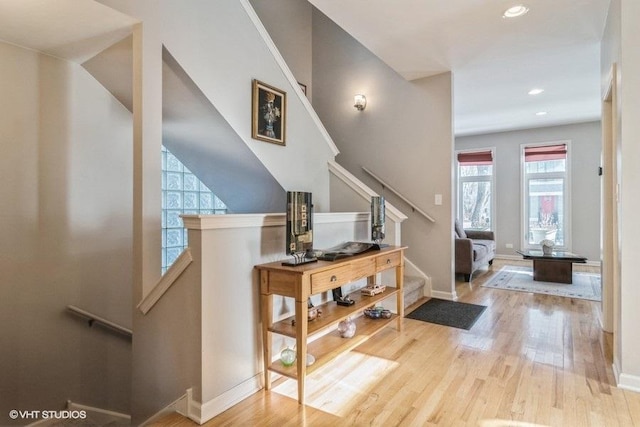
x,y
387,261
330,279
362,268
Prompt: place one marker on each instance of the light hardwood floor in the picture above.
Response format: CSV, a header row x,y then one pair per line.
x,y
529,360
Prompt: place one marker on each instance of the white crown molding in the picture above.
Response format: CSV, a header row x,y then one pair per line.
x,y
213,222
210,222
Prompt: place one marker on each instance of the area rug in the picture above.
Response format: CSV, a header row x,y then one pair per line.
x,y
584,286
459,315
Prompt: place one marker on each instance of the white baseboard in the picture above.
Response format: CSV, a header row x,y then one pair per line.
x,y
626,381
203,412
509,257
616,371
451,296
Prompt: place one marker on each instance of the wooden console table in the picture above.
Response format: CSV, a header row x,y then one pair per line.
x,y
300,282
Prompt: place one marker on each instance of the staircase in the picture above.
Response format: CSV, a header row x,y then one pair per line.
x,y
413,289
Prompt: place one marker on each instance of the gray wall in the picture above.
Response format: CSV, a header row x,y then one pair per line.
x,y
404,136
405,125
65,236
585,183
289,25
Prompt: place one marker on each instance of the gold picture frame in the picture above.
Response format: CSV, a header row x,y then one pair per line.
x,y
268,113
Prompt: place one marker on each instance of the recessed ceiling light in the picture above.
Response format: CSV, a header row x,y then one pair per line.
x,y
541,113
536,91
515,11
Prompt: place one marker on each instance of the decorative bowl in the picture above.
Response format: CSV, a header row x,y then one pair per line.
x,y
372,313
377,313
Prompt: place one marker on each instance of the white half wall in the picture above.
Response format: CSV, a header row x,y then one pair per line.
x,y
225,250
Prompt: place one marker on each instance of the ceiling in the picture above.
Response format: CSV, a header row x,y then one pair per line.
x,y
70,29
494,61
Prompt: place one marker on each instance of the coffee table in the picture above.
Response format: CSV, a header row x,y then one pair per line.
x,y
556,267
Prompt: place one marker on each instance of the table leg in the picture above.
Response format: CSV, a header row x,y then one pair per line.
x,y
301,346
557,271
267,320
400,295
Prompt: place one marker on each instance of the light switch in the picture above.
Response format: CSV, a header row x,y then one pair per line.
x,y
438,199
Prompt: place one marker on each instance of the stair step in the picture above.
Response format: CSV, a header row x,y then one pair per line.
x,y
413,289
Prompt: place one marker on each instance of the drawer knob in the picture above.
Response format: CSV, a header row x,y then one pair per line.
x,y
334,278
388,260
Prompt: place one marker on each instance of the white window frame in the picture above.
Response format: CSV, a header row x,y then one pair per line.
x,y
524,199
491,179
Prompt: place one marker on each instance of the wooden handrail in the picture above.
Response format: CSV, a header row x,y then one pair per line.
x,y
364,191
93,319
400,196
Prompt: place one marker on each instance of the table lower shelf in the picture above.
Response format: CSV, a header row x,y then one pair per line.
x,y
332,313
327,347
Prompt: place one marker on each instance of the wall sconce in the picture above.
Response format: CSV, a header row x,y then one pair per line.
x,y
360,102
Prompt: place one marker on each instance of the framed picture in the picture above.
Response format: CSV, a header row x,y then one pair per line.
x,y
268,113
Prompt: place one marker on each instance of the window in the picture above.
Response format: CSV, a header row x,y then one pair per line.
x,y
182,193
475,189
545,194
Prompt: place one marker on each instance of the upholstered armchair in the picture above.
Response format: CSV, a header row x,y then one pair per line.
x,y
473,249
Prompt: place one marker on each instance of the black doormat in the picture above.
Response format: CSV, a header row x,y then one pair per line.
x,y
448,313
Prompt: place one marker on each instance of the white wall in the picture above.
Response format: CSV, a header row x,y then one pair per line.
x,y
585,182
610,76
65,235
220,48
619,46
404,136
630,203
